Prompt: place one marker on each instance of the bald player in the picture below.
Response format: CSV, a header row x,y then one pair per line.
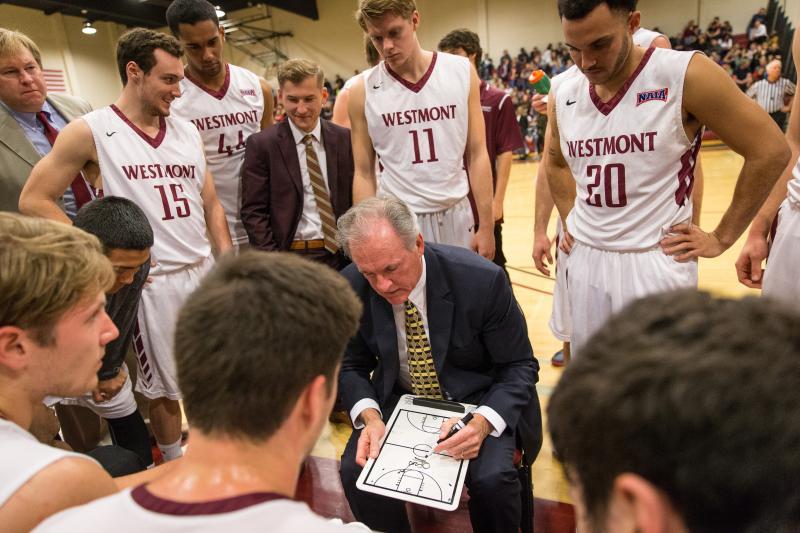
x,y
621,173
419,111
226,103
157,161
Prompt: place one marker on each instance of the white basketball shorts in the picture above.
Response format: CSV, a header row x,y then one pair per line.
x,y
161,301
781,281
602,282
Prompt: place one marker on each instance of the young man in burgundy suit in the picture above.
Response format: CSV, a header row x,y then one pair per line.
x,y
298,174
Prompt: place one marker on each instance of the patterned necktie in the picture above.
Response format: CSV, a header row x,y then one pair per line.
x,y
80,187
321,196
424,381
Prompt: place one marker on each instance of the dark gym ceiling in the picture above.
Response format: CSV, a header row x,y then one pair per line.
x,y
150,13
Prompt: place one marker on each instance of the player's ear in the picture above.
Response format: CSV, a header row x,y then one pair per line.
x,y
635,504
634,20
15,347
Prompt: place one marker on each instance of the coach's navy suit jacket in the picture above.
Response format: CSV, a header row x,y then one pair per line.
x,y
478,337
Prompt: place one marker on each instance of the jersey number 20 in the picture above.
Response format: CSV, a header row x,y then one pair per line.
x,y
613,192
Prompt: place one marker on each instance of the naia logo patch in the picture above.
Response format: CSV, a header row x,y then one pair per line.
x,y
650,96
248,92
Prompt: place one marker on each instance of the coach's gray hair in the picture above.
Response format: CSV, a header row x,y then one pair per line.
x,y
359,220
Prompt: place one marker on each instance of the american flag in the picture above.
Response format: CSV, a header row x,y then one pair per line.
x,y
55,80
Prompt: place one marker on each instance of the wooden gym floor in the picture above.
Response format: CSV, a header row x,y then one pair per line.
x,y
320,485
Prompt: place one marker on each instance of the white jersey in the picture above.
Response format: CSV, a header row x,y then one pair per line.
x,y
794,185
225,119
419,132
22,457
163,176
136,510
632,161
644,37
558,79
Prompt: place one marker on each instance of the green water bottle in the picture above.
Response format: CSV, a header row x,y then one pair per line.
x,y
540,82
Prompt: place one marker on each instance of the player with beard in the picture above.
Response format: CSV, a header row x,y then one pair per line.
x,y
628,208
156,161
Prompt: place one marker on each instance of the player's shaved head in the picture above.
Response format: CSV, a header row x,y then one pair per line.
x,y
578,9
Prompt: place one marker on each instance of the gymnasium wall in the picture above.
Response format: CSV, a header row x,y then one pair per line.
x,y
792,10
336,40
87,61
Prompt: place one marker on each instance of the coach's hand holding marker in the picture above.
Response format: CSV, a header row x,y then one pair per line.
x,y
462,438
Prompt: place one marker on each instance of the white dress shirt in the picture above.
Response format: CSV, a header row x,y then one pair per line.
x,y
419,298
310,225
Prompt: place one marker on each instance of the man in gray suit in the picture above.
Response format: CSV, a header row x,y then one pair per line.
x,y
30,119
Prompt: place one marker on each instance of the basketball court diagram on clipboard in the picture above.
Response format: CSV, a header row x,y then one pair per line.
x,y
407,468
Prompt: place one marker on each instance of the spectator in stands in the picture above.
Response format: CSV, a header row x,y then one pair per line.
x,y
742,75
774,93
258,389
693,418
760,16
758,33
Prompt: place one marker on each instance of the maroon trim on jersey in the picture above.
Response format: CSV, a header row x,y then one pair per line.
x,y
147,500
219,95
607,107
154,142
416,87
686,173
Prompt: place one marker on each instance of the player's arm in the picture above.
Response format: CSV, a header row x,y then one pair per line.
x,y
269,102
340,116
661,42
749,131
66,483
542,209
216,224
503,166
755,249
480,170
53,174
697,191
559,175
364,179
508,138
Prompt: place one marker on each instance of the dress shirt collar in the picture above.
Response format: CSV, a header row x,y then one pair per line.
x,y
29,119
298,134
417,295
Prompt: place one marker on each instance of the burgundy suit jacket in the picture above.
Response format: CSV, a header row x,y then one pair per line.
x,y
272,188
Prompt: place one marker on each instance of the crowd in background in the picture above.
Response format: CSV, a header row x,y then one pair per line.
x,y
744,56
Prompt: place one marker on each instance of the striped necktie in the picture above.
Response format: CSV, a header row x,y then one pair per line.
x,y
424,381
321,196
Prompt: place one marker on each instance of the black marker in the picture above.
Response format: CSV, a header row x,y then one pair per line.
x,y
461,424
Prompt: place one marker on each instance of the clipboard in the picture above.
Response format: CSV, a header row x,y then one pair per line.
x,y
406,467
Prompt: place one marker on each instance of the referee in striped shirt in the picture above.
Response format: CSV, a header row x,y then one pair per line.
x,y
771,93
